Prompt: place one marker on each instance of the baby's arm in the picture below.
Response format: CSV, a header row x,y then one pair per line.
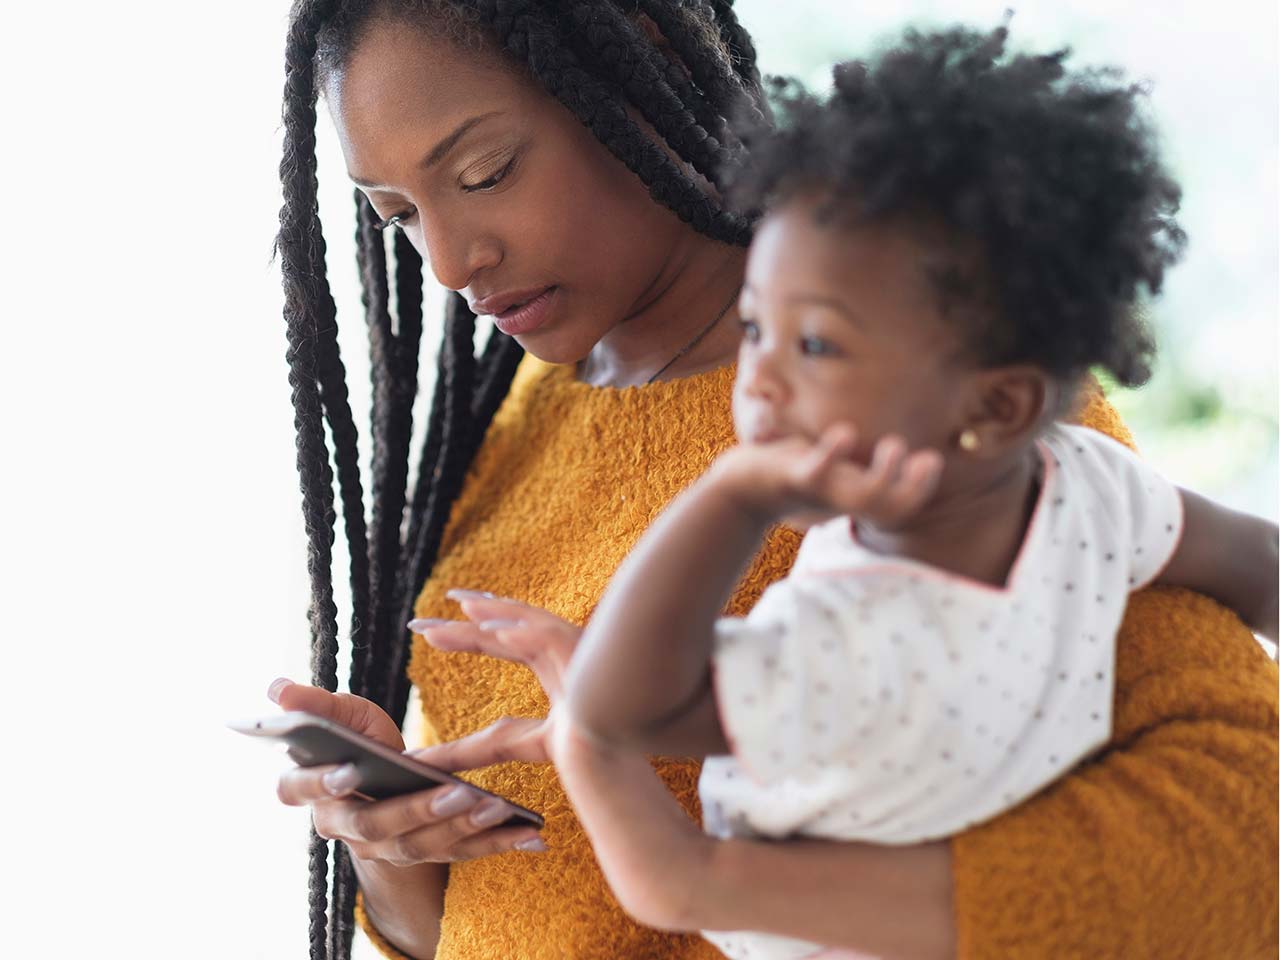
x,y
1229,556
892,902
641,675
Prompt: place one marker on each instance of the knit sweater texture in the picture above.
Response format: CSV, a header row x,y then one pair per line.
x,y
1163,846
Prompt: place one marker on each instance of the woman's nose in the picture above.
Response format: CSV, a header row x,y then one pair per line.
x,y
455,254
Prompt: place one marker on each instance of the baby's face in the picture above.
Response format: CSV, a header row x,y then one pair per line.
x,y
841,324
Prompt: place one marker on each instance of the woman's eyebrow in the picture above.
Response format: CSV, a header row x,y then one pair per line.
x,y
441,149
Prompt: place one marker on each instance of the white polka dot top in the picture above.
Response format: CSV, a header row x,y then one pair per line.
x,y
876,698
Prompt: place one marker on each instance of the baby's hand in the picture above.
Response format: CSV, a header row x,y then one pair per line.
x,y
800,480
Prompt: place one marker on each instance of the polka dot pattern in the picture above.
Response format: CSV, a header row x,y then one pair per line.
x,y
878,699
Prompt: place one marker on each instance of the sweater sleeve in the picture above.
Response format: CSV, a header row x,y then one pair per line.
x,y
1163,845
383,945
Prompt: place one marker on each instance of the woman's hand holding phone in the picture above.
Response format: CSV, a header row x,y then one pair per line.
x,y
440,825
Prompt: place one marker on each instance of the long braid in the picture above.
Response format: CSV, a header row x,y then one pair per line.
x,y
372,264
305,292
342,924
337,408
458,368
393,350
711,70
608,37
616,65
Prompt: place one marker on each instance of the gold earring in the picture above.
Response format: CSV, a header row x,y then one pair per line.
x,y
969,441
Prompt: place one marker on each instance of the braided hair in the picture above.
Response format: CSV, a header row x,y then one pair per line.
x,y
1052,173
592,55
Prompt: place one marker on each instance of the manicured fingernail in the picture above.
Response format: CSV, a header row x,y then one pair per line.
x,y
453,801
489,813
342,780
532,845
426,623
471,595
277,688
491,625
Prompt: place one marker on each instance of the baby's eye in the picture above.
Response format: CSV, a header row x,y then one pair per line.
x,y
750,330
817,347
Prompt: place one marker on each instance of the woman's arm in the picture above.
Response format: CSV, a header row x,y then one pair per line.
x,y
402,906
1165,845
1230,556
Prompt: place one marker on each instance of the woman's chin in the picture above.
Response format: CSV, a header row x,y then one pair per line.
x,y
549,347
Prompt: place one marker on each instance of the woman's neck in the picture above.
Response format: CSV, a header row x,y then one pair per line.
x,y
975,530
697,285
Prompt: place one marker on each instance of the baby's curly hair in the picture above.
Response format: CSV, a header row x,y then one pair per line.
x,y
1051,177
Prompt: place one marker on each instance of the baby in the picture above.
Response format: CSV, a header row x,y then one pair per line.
x,y
955,239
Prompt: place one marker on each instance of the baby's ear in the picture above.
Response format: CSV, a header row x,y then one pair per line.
x,y
1006,406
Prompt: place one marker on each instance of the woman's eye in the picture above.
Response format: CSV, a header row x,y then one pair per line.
x,y
490,182
817,347
395,220
750,330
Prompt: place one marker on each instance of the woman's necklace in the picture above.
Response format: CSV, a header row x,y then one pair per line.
x,y
697,338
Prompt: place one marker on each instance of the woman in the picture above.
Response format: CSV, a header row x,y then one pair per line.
x,y
622,275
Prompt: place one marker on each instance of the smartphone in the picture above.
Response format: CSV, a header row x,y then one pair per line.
x,y
314,741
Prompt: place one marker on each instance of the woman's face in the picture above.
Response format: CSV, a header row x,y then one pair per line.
x,y
504,193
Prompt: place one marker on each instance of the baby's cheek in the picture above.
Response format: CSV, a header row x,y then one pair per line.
x,y
744,417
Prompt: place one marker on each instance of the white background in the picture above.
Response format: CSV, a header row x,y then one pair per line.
x,y
153,560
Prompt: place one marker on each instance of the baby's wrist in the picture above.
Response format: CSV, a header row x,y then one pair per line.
x,y
738,481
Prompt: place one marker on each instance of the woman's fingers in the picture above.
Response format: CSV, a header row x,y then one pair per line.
x,y
366,821
509,630
500,840
511,738
546,650
460,636
359,714
439,825
481,607
299,786
454,840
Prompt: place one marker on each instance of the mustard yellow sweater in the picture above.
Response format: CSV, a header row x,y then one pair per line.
x,y
1166,846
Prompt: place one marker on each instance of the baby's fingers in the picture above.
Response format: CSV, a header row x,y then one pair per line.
x,y
915,483
882,472
835,446
898,484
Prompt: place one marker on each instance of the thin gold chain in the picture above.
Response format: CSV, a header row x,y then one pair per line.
x,y
697,339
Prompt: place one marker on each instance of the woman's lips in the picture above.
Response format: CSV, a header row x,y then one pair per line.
x,y
527,317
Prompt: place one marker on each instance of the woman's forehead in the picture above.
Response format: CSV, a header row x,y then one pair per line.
x,y
397,68
402,87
